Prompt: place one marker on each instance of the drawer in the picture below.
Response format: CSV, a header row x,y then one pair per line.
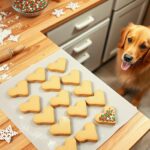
x,y
88,47
80,24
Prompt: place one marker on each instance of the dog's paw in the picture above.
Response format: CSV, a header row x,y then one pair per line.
x,y
135,102
121,91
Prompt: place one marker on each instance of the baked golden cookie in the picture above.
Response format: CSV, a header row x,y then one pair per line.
x,y
97,100
70,144
79,110
46,117
53,84
73,78
63,99
33,105
21,89
58,66
85,89
63,127
37,76
107,117
88,134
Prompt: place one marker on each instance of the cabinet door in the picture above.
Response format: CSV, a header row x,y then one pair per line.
x,y
88,47
134,12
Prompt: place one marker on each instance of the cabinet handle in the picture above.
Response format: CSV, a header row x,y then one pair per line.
x,y
82,46
85,23
82,58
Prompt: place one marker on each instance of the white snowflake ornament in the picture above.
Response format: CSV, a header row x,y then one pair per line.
x,y
7,134
58,12
73,5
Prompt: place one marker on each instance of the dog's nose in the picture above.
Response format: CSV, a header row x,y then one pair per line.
x,y
128,58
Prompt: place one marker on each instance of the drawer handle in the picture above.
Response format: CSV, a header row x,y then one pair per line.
x,y
85,23
85,56
81,47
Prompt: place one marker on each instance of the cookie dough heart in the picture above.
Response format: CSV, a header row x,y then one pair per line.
x,y
73,78
53,84
21,89
70,144
97,100
79,110
85,89
37,76
63,127
88,134
63,99
46,117
33,105
59,65
107,117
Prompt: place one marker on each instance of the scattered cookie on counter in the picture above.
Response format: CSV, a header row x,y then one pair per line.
x,y
46,117
107,117
73,78
37,76
63,99
88,134
58,66
70,144
63,127
97,100
21,89
53,84
79,110
85,89
33,105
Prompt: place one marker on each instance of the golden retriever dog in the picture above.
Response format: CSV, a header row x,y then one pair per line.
x,y
133,61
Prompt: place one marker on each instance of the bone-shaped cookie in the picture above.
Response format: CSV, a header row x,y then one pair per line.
x,y
46,117
88,134
32,105
85,89
106,117
37,76
63,99
73,78
58,66
97,100
79,110
21,89
53,84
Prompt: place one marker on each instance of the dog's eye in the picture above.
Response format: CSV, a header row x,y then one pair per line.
x,y
143,46
129,40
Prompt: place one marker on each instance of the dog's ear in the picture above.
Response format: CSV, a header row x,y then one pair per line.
x,y
147,57
124,34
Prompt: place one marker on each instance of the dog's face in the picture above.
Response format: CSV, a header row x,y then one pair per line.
x,y
135,43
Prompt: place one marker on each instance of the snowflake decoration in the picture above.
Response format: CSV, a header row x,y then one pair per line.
x,y
7,134
73,5
58,12
14,38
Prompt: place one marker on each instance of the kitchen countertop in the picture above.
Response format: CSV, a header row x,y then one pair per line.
x,y
39,48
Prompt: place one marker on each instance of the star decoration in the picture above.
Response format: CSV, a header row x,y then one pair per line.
x,y
14,38
58,12
73,5
7,134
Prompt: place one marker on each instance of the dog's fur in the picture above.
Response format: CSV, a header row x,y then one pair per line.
x,y
138,75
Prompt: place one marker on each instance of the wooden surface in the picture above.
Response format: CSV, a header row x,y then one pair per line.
x,y
39,47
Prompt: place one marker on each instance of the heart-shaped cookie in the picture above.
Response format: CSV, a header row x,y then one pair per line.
x,y
53,84
79,110
85,89
73,78
70,144
63,99
88,134
37,76
21,89
97,100
46,117
107,117
63,127
33,105
58,66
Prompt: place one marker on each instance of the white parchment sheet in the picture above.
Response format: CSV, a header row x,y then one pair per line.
x,y
39,134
